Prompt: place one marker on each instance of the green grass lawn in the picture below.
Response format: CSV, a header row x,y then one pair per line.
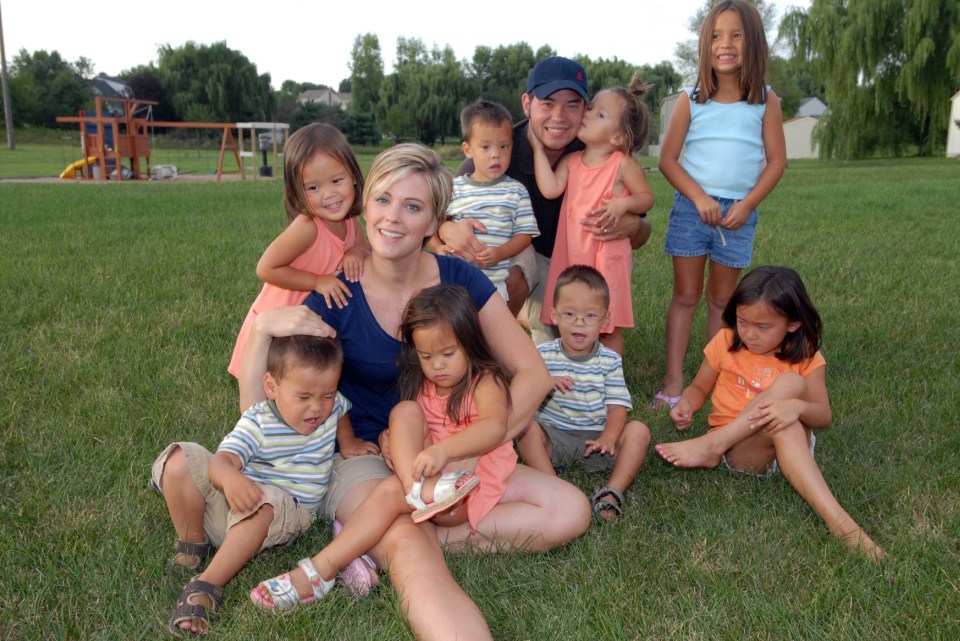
x,y
119,306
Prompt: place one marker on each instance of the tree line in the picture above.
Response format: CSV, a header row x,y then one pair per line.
x,y
887,77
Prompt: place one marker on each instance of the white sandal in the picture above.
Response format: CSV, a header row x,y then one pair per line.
x,y
284,596
451,488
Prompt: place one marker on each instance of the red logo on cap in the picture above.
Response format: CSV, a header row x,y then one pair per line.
x,y
579,76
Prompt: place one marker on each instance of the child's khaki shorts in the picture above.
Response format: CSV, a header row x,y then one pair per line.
x,y
289,519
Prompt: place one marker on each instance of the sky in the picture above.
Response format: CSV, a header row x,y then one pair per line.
x,y
311,41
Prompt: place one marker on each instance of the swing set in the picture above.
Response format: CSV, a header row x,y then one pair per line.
x,y
108,137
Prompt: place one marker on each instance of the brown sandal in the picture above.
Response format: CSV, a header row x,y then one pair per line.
x,y
187,548
188,609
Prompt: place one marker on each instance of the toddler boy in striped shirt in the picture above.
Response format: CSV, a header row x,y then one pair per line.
x,y
266,482
584,418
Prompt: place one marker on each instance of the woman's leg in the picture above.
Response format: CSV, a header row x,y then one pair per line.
x,y
687,289
435,605
537,512
721,281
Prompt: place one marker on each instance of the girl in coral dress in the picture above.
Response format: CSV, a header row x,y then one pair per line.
x,y
603,180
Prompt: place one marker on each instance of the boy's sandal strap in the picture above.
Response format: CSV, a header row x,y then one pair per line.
x,y
601,502
187,609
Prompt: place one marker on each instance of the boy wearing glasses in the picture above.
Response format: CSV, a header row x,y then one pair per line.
x,y
585,417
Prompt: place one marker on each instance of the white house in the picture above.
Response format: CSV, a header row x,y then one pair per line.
x,y
811,106
326,96
798,134
953,128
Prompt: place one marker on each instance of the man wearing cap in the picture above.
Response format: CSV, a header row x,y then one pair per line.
x,y
553,104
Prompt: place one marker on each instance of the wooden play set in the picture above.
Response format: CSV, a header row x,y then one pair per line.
x,y
111,136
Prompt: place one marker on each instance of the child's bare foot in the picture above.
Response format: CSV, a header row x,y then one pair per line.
x,y
696,452
859,540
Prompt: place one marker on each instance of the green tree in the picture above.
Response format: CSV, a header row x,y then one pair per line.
x,y
214,83
44,85
360,128
501,74
366,73
889,68
146,84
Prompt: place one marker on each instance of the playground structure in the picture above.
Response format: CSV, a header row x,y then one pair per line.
x,y
108,137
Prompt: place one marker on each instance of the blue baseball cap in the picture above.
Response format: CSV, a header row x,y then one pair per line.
x,y
555,73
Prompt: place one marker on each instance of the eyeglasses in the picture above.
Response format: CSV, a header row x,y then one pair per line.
x,y
589,319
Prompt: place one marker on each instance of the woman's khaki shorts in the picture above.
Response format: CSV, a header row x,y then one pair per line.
x,y
289,519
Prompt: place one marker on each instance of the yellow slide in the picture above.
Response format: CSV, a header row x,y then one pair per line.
x,y
70,172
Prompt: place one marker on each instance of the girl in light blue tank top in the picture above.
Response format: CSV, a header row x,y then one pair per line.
x,y
723,152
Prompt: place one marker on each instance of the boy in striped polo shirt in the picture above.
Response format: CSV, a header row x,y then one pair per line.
x,y
585,417
265,484
498,206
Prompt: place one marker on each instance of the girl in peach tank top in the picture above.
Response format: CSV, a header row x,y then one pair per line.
x,y
322,182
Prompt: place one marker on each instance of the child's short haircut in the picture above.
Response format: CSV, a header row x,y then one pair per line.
x,y
314,352
486,111
586,275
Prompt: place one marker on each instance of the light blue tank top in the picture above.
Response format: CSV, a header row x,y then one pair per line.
x,y
723,150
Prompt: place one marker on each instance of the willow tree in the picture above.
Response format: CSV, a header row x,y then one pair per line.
x,y
889,68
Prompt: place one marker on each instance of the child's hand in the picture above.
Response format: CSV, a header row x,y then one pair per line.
x,y
351,446
563,384
602,445
773,416
353,264
736,216
709,210
332,288
681,415
611,210
243,495
430,461
489,257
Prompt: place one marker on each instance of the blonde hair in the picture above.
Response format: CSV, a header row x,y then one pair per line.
x,y
302,146
753,67
407,159
635,122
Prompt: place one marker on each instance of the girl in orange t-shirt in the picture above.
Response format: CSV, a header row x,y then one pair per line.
x,y
767,382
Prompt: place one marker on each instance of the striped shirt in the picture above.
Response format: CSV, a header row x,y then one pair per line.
x,y
273,453
502,205
597,382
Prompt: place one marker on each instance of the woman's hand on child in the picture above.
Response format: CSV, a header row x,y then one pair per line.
x,y
681,415
291,321
773,416
563,383
353,264
352,446
242,494
430,461
602,445
709,210
461,240
332,289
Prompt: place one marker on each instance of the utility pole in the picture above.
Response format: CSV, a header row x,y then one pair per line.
x,y
7,107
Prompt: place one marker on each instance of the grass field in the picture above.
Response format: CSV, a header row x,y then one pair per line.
x,y
119,306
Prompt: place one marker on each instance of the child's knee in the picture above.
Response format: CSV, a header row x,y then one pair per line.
x,y
636,433
175,470
406,414
790,384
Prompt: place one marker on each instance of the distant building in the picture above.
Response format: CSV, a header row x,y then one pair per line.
x,y
798,134
110,88
953,128
811,106
325,96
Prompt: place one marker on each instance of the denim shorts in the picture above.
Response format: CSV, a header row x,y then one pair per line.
x,y
688,236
